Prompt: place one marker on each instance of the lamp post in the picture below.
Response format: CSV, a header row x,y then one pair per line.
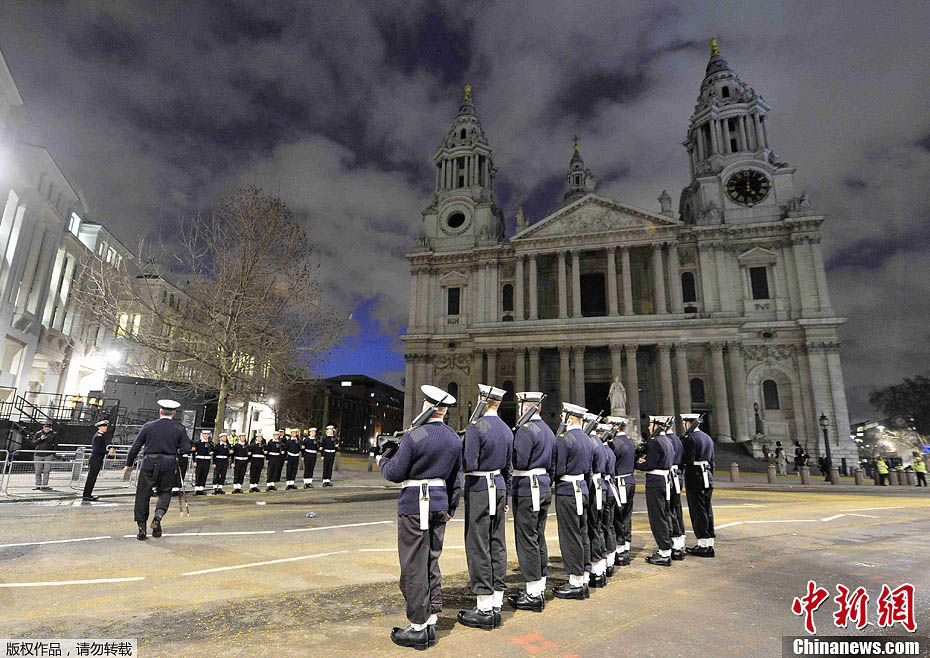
x,y
824,425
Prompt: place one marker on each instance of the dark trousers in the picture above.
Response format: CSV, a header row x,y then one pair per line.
x,y
95,464
309,464
183,463
700,509
883,479
610,535
161,479
219,471
921,479
200,475
328,459
677,518
623,515
595,552
530,535
255,469
419,551
485,542
239,470
660,521
292,464
274,469
573,533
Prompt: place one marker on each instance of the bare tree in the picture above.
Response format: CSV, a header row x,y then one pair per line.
x,y
239,314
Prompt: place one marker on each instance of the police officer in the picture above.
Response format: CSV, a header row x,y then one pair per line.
x,y
699,484
920,468
275,461
882,468
595,565
533,464
625,453
428,462
574,453
98,452
611,498
163,440
202,454
487,453
256,460
329,448
674,503
657,463
311,448
240,459
221,453
292,454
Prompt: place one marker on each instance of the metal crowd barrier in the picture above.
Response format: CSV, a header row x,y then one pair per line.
x,y
19,470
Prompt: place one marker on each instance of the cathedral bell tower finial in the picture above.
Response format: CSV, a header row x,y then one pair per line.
x,y
714,49
580,181
468,92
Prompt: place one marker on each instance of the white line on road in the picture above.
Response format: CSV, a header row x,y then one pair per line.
x,y
866,509
832,518
261,564
865,516
215,534
332,527
785,521
55,541
59,583
377,550
727,525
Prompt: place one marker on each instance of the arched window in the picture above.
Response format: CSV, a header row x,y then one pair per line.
x,y
507,297
462,134
688,291
697,391
725,92
770,394
453,389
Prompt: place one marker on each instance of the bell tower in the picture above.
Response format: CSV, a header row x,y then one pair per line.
x,y
463,213
579,181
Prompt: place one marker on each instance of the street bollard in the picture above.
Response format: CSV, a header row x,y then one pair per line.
x,y
771,474
876,477
371,461
860,477
734,472
911,478
835,475
893,478
805,475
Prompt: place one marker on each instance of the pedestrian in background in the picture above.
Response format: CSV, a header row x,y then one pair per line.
x,y
98,452
781,460
44,443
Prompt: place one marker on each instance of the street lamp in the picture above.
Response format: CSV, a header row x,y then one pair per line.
x,y
824,425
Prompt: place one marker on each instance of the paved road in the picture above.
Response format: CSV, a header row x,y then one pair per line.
x,y
238,578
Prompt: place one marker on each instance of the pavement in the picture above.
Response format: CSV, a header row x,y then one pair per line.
x,y
250,575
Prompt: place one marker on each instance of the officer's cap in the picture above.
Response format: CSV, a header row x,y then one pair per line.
x,y
662,420
437,396
588,417
491,392
222,434
573,410
690,416
330,427
101,423
206,431
168,405
313,429
46,424
617,420
529,396
603,427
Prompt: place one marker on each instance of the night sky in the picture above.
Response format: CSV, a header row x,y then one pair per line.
x,y
155,110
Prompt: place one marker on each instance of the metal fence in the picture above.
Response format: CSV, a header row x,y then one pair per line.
x,y
19,470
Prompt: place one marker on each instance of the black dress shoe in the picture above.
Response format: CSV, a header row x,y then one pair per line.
x,y
659,560
611,570
407,637
431,635
141,534
623,559
678,554
308,486
523,601
289,487
476,618
568,591
587,591
200,493
498,620
89,499
156,527
598,581
700,551
220,492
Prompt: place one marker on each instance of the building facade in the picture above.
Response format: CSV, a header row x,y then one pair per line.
x,y
720,308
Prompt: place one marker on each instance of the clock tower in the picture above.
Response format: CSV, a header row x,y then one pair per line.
x,y
736,178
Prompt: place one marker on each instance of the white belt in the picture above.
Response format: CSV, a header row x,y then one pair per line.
x,y
329,451
310,450
294,454
598,493
424,486
243,459
704,472
575,479
675,479
618,497
664,475
272,454
258,456
204,457
221,457
533,474
622,480
492,488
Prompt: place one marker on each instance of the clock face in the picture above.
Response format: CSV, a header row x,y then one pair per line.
x,y
748,187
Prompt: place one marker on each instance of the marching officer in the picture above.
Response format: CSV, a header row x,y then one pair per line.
x,y
674,503
221,452
292,452
256,460
625,453
594,567
329,448
163,440
611,498
202,454
487,453
98,451
428,462
533,453
311,448
240,458
699,485
275,461
572,466
657,463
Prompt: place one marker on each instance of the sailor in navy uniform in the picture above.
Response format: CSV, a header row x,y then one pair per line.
x,y
674,503
240,459
625,453
329,448
311,449
657,463
533,464
221,454
292,454
574,454
162,440
428,463
611,498
487,452
202,454
256,460
273,455
595,563
699,485
98,452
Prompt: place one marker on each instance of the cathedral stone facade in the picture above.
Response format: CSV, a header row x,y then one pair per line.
x,y
721,308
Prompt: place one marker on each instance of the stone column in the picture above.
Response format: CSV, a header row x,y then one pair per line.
x,y
724,283
838,392
477,367
534,305
632,385
758,131
765,132
492,366
534,368
721,407
412,324
520,369
740,413
480,291
576,283
725,129
714,143
681,375
823,294
518,290
627,281
674,279
699,143
563,287
616,363
805,277
820,387
565,378
665,379
659,275
579,375
710,300
611,281
410,397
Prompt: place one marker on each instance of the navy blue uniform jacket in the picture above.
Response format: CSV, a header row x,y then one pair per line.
x,y
533,447
658,457
488,447
162,436
574,455
431,451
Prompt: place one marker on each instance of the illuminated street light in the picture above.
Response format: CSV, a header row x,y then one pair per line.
x,y
271,401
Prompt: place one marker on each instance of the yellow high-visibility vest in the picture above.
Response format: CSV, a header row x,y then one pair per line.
x,y
882,467
920,466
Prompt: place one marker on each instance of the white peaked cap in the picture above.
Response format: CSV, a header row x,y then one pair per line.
x,y
589,416
437,396
171,405
603,427
616,420
573,410
529,396
690,416
660,419
313,429
491,391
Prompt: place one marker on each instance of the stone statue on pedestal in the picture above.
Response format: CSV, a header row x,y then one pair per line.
x,y
617,398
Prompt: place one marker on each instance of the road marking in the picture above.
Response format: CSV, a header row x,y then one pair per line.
x,y
727,525
214,534
785,521
378,550
55,541
332,527
832,518
60,583
261,564
866,509
865,516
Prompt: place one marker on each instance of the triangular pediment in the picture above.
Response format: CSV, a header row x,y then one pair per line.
x,y
594,214
453,278
757,256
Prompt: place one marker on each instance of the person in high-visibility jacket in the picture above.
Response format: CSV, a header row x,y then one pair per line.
x,y
920,467
882,469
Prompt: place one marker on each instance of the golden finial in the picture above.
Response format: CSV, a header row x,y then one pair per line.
x,y
575,145
714,50
468,92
